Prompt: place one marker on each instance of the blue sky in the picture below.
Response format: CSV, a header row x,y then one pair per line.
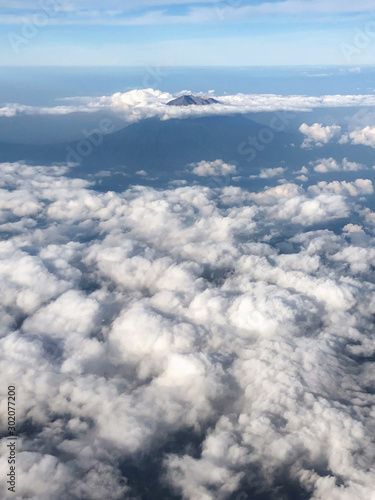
x,y
186,33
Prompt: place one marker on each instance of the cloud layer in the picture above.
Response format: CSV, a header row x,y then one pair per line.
x,y
147,103
219,320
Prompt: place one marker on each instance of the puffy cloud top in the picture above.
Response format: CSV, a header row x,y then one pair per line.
x,y
325,165
208,168
208,343
318,135
365,136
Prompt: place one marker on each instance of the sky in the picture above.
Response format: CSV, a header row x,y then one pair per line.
x,y
186,33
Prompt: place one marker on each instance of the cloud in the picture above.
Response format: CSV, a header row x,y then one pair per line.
x,y
356,188
269,173
306,7
325,165
365,136
96,4
12,109
207,343
82,12
317,134
147,103
214,168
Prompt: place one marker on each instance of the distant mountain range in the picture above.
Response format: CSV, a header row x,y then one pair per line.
x,y
192,100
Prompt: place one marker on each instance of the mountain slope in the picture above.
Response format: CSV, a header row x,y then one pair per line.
x,y
154,145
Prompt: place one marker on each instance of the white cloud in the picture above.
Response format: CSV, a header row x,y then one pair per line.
x,y
214,168
325,165
301,174
317,134
77,5
82,12
302,178
365,136
304,6
13,109
219,317
147,103
269,173
356,188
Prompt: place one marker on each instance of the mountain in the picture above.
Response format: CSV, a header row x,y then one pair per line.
x,y
153,145
165,148
191,100
157,146
168,145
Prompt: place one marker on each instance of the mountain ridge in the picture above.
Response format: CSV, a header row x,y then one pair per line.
x,y
192,100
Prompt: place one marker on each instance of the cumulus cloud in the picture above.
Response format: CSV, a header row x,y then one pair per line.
x,y
191,341
269,173
138,104
325,165
356,188
318,135
365,136
302,174
214,168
